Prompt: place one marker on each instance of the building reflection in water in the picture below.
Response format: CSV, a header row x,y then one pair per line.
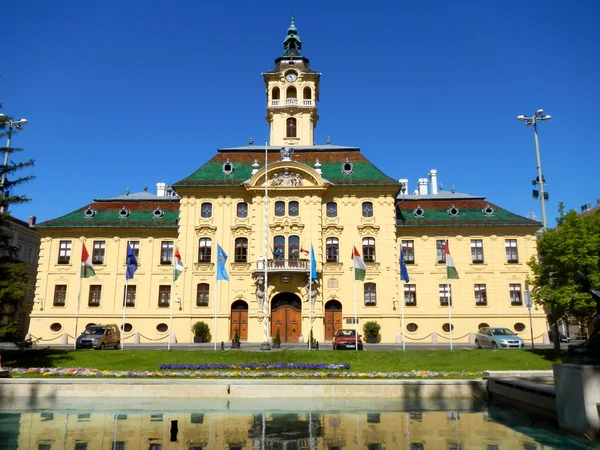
x,y
330,430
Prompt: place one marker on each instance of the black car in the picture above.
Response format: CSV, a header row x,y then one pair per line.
x,y
561,337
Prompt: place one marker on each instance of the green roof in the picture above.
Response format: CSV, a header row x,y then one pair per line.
x,y
139,214
331,158
471,211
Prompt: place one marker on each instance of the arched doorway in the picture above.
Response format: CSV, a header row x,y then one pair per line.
x,y
286,314
333,318
239,319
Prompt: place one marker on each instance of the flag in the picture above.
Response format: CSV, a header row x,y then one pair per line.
x,y
177,265
403,269
221,259
87,269
360,269
131,263
450,267
313,264
304,251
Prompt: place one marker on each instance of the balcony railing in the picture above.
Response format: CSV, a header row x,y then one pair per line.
x,y
284,265
275,102
292,102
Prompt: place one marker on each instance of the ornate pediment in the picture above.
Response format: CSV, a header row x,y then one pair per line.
x,y
241,230
286,178
333,229
205,230
365,229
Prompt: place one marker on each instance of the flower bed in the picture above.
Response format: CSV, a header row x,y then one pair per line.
x,y
262,366
83,372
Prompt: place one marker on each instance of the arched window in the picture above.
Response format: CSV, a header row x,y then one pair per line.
x,y
291,92
293,247
278,247
275,93
368,245
290,127
242,210
333,249
206,210
331,209
293,208
367,209
241,250
204,250
307,94
280,209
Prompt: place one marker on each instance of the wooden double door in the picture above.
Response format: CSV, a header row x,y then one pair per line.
x,y
239,320
286,315
333,319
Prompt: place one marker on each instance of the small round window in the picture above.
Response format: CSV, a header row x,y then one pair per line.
x,y
89,213
56,327
519,327
158,213
227,167
347,168
127,328
162,327
446,328
483,325
453,211
419,212
488,211
412,327
123,212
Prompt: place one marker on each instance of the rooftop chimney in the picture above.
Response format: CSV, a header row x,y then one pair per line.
x,y
422,186
403,186
433,181
32,220
161,189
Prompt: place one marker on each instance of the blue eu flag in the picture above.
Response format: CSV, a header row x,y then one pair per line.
x,y
221,259
403,270
313,264
131,263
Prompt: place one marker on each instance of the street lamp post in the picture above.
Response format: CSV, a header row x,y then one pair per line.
x,y
539,115
11,124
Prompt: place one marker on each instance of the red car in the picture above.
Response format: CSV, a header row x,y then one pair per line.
x,y
346,339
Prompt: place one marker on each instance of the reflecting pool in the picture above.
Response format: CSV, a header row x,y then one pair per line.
x,y
285,424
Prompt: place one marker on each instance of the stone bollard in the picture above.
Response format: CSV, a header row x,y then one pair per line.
x,y
545,339
471,338
136,338
398,337
64,339
434,338
172,338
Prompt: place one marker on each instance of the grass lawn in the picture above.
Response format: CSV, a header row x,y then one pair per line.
x,y
379,361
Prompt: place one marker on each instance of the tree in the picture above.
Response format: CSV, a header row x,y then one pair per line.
x,y
13,278
570,247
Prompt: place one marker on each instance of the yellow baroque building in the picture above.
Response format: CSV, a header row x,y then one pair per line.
x,y
267,207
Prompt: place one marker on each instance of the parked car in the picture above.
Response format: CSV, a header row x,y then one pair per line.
x,y
561,336
347,339
99,337
498,338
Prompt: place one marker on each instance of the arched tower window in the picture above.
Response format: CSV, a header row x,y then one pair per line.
x,y
291,92
275,93
290,126
307,95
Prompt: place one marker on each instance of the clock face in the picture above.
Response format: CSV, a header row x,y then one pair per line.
x,y
291,76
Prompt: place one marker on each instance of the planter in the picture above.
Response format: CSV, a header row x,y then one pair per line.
x,y
372,340
197,339
236,344
276,344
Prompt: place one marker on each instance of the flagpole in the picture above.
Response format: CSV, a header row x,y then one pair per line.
x,y
310,300
171,317
449,313
265,344
402,324
216,293
124,312
355,314
77,308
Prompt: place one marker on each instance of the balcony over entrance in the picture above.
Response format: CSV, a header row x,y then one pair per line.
x,y
284,265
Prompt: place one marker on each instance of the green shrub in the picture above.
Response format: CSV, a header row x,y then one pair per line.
x,y
202,330
277,339
371,330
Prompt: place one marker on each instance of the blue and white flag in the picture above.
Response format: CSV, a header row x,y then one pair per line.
x,y
221,259
313,264
403,270
131,263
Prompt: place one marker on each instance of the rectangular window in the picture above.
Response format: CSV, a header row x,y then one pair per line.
x,y
202,294
368,245
480,295
164,296
135,248
332,249
81,445
477,251
367,209
130,295
242,210
60,294
166,252
64,252
410,294
204,250
370,294
241,250
515,294
118,445
445,294
279,209
440,248
293,209
206,210
95,295
408,247
332,209
512,255
294,248
98,252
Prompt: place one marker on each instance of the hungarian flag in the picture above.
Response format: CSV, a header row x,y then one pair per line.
x,y
360,269
177,265
304,251
450,267
87,268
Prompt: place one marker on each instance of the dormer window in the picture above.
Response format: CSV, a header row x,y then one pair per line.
x,y
347,167
158,213
123,213
227,167
488,211
89,213
453,211
419,212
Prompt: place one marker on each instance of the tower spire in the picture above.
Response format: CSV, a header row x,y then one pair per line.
x,y
292,43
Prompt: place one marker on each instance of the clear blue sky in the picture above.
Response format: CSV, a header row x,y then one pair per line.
x,y
125,93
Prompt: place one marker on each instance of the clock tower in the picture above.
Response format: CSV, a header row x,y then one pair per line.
x,y
292,95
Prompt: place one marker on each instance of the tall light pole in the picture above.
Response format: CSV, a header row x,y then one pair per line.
x,y
11,124
539,115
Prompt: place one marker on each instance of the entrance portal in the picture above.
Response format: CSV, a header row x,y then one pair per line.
x,y
333,318
286,315
239,319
